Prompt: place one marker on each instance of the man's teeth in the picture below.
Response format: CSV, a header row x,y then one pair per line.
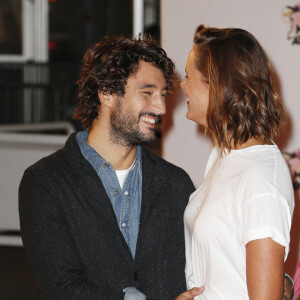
x,y
149,120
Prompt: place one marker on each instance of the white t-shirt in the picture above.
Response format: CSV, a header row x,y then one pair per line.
x,y
122,174
246,195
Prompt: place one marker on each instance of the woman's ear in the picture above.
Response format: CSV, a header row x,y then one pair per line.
x,y
105,98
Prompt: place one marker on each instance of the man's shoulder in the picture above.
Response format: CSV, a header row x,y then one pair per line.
x,y
57,160
47,164
162,164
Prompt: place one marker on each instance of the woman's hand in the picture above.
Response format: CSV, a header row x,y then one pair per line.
x,y
190,294
264,268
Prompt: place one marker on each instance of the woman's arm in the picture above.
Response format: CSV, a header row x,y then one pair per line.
x,y
264,268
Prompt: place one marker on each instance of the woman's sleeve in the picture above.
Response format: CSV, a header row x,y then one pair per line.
x,y
266,216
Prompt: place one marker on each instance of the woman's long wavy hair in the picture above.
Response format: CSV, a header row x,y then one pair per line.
x,y
242,101
107,65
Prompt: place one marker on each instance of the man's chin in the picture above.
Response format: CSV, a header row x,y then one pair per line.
x,y
145,139
150,137
148,141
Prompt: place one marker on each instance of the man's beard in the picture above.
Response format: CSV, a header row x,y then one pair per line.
x,y
125,129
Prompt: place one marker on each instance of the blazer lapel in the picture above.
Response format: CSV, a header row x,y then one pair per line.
x,y
152,181
96,193
100,200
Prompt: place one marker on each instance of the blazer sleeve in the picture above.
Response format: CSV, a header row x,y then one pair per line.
x,y
48,244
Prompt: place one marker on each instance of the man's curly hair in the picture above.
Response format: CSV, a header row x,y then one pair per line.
x,y
108,64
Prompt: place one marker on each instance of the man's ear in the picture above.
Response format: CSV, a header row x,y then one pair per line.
x,y
105,98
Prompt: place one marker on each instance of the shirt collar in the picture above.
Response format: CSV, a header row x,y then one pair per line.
x,y
95,159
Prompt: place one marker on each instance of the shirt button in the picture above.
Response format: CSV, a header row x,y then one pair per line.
x,y
117,192
126,193
123,224
107,164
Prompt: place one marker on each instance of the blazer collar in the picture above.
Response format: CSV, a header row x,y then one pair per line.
x,y
152,180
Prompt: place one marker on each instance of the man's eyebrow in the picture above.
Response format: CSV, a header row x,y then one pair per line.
x,y
145,86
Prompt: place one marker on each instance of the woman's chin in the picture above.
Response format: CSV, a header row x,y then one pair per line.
x,y
189,117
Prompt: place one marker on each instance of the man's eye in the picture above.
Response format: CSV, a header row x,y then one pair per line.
x,y
147,93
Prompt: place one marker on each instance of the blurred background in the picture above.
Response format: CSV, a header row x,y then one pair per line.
x,y
41,46
42,43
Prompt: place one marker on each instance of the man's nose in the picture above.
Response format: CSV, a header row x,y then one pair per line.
x,y
159,105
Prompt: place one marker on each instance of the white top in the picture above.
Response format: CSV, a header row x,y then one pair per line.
x,y
246,195
122,174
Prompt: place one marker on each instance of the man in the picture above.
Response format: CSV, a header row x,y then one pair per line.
x,y
102,218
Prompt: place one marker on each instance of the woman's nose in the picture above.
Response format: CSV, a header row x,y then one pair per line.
x,y
182,83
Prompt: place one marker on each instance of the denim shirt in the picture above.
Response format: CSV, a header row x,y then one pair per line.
x,y
126,202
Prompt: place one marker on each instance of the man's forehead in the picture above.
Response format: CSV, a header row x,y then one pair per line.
x,y
147,76
147,68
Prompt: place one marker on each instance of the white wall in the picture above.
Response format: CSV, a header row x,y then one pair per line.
x,y
17,152
182,142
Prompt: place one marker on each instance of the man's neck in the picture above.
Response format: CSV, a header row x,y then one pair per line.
x,y
121,157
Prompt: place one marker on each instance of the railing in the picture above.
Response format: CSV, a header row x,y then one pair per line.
x,y
49,127
36,92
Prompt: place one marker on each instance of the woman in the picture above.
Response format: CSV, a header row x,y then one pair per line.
x,y
237,223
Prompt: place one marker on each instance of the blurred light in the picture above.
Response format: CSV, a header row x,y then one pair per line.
x,y
52,1
51,45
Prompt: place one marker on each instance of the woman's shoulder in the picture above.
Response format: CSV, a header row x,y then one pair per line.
x,y
266,173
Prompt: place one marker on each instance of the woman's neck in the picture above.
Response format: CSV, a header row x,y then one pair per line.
x,y
249,143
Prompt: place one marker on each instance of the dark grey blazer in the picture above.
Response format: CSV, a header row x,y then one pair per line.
x,y
72,239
